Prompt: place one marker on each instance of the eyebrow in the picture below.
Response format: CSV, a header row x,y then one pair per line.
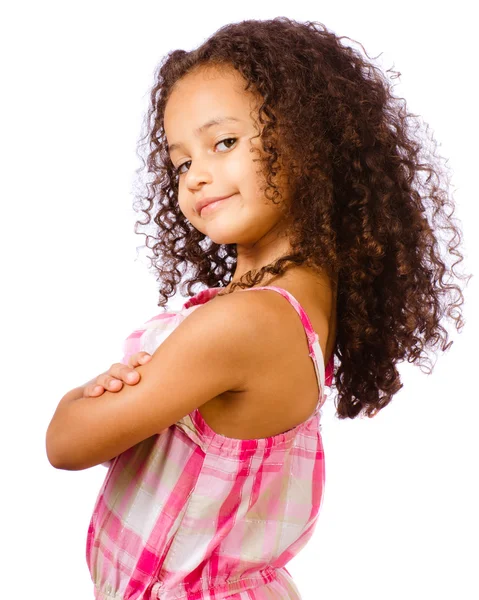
x,y
205,126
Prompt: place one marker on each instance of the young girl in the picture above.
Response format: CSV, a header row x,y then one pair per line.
x,y
215,460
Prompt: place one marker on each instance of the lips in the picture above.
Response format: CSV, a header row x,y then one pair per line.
x,y
202,204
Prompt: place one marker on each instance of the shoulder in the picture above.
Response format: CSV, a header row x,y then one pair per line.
x,y
256,322
247,324
248,310
238,316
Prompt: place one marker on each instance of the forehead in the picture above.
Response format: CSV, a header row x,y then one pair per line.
x,y
203,96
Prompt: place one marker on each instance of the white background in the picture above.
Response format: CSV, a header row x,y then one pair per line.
x,y
399,518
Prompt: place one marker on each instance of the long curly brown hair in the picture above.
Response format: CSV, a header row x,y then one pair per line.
x,y
362,208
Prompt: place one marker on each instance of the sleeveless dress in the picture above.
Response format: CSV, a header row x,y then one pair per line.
x,y
189,514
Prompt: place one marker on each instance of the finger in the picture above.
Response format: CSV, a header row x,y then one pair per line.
x,y
139,358
121,373
109,383
112,384
93,390
111,380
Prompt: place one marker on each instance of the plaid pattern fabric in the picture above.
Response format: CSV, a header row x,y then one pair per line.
x,y
193,515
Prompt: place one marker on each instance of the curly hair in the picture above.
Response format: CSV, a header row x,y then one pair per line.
x,y
361,207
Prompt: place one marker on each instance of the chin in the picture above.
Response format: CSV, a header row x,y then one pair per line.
x,y
222,238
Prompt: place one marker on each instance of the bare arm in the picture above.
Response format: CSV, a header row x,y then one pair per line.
x,y
213,346
117,370
75,393
71,396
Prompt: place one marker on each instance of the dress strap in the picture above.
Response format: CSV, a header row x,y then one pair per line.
x,y
315,351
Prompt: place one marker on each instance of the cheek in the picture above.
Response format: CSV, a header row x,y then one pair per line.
x,y
188,212
183,208
252,186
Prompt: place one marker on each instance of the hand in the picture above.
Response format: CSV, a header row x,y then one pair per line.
x,y
113,379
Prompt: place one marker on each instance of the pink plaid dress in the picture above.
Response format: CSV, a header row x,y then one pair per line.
x,y
190,514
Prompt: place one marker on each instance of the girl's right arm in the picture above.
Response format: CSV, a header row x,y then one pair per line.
x,y
112,380
76,393
79,392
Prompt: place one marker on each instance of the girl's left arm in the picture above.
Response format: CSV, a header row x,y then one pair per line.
x,y
209,353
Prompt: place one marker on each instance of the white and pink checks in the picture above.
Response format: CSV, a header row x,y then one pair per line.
x,y
190,514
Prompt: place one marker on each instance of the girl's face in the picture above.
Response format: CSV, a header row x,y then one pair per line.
x,y
218,161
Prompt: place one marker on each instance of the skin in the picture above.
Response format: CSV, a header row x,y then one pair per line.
x,y
213,165
209,168
259,229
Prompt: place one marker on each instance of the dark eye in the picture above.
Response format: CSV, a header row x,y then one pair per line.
x,y
220,142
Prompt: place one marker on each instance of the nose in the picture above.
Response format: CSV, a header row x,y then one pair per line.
x,y
198,172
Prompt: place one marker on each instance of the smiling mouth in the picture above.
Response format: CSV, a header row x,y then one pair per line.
x,y
213,205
